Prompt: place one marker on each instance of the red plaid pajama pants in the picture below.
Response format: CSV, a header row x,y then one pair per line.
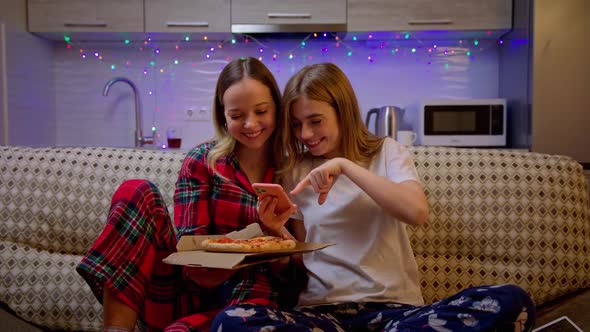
x,y
127,259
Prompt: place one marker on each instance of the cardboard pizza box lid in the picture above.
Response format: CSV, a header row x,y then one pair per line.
x,y
191,253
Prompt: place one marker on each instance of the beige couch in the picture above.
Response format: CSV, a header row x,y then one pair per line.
x,y
496,217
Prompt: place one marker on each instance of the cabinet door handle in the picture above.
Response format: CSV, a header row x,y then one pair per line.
x,y
202,24
82,24
289,15
431,22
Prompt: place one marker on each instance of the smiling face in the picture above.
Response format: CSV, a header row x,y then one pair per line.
x,y
249,113
315,124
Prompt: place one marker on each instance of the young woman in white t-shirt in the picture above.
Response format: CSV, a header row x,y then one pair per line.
x,y
360,192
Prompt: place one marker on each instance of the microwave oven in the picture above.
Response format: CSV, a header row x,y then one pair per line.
x,y
465,123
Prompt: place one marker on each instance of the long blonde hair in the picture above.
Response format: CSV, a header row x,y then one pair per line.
x,y
327,83
231,74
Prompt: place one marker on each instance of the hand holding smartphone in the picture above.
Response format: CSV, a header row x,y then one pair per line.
x,y
272,189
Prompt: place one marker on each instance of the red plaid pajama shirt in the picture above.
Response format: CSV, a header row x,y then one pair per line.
x,y
127,256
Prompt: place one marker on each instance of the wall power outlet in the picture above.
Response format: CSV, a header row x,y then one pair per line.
x,y
202,114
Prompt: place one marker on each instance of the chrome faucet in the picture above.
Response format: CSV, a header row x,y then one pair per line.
x,y
140,140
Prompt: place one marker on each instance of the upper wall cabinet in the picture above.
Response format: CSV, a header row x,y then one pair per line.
x,y
407,15
187,15
85,15
288,16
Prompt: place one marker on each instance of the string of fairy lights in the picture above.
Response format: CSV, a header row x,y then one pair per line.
x,y
311,48
367,48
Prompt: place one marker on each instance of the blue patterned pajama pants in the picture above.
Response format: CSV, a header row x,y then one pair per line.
x,y
485,308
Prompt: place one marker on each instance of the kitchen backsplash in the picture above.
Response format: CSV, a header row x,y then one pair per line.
x,y
175,77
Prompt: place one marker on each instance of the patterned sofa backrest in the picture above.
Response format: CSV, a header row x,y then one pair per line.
x,y
57,199
501,216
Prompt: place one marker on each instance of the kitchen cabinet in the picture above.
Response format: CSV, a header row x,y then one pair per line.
x,y
331,14
176,16
85,15
409,15
187,15
560,79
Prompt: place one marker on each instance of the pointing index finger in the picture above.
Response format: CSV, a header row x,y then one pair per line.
x,y
302,184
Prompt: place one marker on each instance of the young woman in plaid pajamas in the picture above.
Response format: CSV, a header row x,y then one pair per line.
x,y
368,192
213,196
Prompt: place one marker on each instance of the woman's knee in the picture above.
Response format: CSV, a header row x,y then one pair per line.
x,y
519,306
517,293
234,317
138,202
130,188
506,300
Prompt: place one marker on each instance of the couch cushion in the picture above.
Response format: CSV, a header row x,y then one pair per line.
x,y
44,288
57,199
501,216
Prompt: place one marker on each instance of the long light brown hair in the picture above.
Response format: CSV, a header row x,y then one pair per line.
x,y
231,74
327,83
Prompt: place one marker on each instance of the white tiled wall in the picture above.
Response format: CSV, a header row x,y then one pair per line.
x,y
382,73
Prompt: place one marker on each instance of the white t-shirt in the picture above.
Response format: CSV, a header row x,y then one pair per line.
x,y
372,259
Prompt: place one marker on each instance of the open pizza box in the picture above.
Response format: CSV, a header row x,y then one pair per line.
x,y
190,251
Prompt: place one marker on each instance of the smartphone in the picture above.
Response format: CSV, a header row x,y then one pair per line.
x,y
275,190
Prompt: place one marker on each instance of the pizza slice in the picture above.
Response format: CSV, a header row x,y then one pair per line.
x,y
256,244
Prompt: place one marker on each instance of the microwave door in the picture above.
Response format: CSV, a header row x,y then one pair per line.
x,y
464,125
449,120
